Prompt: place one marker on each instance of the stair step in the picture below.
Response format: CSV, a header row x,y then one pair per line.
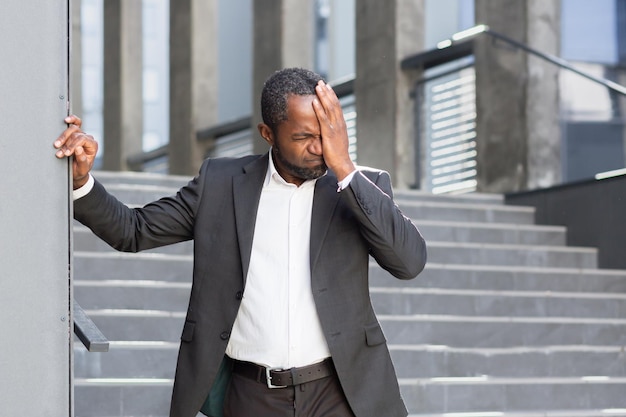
x,y
605,412
141,359
439,210
86,241
177,181
140,194
115,265
432,230
137,295
139,325
450,231
443,233
467,198
447,330
145,359
131,177
528,397
484,331
155,295
136,397
429,361
521,255
137,266
505,277
396,301
520,395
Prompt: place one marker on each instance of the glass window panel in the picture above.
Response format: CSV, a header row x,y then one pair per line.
x,y
588,30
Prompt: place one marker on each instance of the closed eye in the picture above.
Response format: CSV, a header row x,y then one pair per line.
x,y
304,136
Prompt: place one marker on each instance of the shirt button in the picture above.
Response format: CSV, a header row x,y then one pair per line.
x,y
239,295
224,335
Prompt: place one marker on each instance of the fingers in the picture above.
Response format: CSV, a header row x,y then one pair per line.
x,y
79,154
74,142
328,110
73,120
73,139
74,124
81,165
333,130
328,99
327,106
69,141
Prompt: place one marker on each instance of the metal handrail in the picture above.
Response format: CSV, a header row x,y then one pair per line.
x,y
88,332
461,44
613,86
224,129
135,162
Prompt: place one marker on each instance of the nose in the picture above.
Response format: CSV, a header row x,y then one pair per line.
x,y
315,146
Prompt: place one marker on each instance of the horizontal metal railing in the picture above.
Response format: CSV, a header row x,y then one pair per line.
x,y
139,161
88,332
462,44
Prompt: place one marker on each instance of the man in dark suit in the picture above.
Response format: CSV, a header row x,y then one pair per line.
x,y
279,314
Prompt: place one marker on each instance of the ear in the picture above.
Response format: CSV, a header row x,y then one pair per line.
x,y
266,133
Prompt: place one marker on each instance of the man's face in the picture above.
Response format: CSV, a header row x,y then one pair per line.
x,y
297,142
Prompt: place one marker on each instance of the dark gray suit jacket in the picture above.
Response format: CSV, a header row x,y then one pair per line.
x,y
218,210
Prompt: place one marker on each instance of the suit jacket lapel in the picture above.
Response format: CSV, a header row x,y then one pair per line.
x,y
246,194
324,202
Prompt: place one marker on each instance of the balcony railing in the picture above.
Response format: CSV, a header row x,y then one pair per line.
x,y
446,108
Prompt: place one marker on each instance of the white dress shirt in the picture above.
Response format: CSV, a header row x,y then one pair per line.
x,y
277,324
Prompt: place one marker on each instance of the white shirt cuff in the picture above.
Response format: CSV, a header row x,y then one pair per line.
x,y
84,190
343,184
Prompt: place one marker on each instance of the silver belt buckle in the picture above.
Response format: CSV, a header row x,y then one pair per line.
x,y
268,378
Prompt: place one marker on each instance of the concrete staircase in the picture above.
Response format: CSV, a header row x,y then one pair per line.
x,y
505,320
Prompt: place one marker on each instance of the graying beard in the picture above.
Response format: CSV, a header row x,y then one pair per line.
x,y
301,172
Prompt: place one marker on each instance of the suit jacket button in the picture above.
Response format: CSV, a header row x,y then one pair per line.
x,y
239,295
224,335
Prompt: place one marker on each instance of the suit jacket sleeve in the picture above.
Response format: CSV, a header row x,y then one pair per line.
x,y
162,222
394,241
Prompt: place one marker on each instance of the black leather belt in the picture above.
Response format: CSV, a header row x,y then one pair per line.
x,y
282,378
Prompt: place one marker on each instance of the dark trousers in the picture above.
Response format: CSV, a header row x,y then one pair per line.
x,y
320,398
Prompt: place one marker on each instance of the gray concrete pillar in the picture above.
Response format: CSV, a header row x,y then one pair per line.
x,y
193,81
542,108
517,97
123,73
387,32
35,231
283,37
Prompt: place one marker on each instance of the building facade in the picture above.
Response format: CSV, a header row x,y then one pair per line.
x,y
521,122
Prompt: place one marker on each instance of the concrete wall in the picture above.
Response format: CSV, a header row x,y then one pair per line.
x,y
592,211
36,326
